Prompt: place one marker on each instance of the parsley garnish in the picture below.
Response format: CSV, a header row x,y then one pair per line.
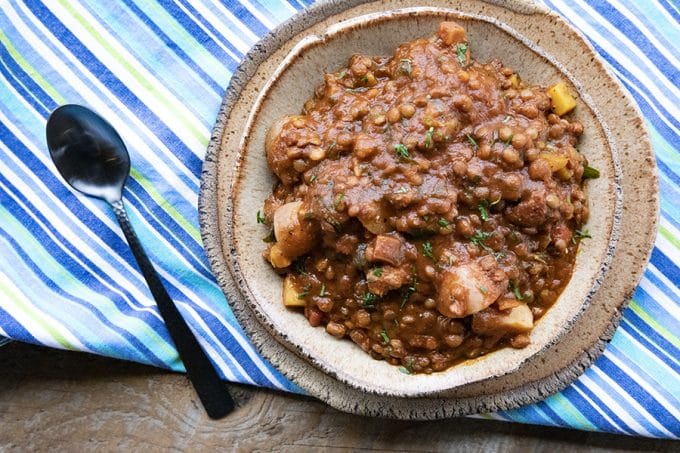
x,y
590,172
342,74
312,178
323,292
443,222
515,290
506,119
483,289
384,336
410,290
460,52
300,268
428,137
427,250
578,235
478,239
402,190
260,218
378,271
408,367
304,293
406,66
472,141
484,210
402,151
369,300
508,141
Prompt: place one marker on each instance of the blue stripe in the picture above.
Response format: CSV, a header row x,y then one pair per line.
x,y
24,83
641,396
174,47
588,411
11,325
604,407
192,162
197,32
650,344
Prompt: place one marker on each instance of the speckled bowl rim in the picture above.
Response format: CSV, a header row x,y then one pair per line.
x,y
208,199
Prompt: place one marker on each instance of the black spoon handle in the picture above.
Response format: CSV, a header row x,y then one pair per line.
x,y
211,390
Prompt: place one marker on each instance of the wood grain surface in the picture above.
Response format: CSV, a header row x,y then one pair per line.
x,y
66,401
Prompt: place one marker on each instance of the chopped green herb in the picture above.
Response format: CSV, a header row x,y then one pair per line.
x,y
323,292
408,366
406,67
338,199
364,79
590,172
402,190
402,151
443,222
427,250
508,141
410,290
426,218
578,235
472,141
484,210
460,52
304,293
507,118
378,271
515,290
384,336
428,137
312,178
478,239
369,300
483,289
260,218
342,74
538,258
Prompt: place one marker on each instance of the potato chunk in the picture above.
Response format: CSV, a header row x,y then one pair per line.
x,y
294,237
291,294
467,289
491,321
451,33
562,100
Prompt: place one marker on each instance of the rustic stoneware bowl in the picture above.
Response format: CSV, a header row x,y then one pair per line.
x,y
281,73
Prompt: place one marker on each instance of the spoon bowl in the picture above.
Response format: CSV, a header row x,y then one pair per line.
x,y
88,152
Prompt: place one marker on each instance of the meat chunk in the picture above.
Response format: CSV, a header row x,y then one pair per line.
x,y
532,211
494,322
470,288
386,248
390,278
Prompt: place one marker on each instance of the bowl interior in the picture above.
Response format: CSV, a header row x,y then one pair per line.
x,y
291,83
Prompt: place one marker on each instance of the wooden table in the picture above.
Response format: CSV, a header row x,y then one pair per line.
x,y
66,401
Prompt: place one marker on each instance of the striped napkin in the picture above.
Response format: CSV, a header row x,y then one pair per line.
x,y
157,70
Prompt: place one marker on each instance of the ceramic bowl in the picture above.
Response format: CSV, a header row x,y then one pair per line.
x,y
236,179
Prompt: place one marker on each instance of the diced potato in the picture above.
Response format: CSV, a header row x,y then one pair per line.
x,y
514,79
291,294
451,33
278,258
562,100
492,322
556,161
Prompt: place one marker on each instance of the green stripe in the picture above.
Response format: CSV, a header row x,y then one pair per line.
x,y
26,66
202,137
567,407
669,237
661,330
35,315
165,204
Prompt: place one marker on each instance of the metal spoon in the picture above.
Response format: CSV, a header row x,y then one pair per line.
x,y
92,158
